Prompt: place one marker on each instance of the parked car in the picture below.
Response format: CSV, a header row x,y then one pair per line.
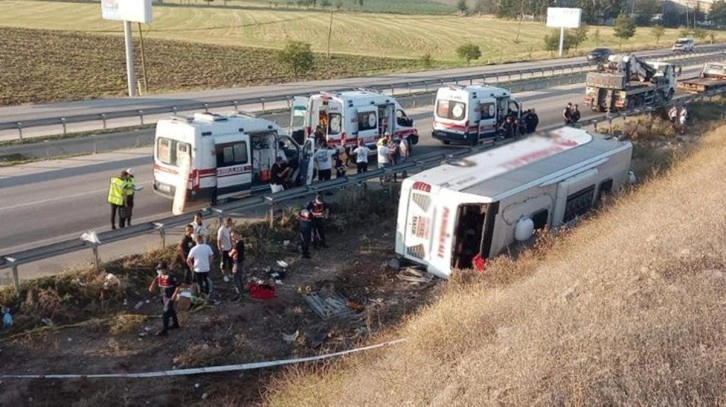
x,y
599,55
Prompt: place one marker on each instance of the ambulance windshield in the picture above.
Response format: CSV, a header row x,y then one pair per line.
x,y
468,235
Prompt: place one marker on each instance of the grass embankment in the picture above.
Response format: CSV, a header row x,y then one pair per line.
x,y
625,309
210,50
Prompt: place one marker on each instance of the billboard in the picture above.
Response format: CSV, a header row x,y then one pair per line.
x,y
137,11
560,17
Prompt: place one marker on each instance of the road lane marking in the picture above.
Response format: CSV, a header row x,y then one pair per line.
x,y
43,201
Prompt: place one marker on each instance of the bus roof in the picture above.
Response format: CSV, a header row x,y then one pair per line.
x,y
504,170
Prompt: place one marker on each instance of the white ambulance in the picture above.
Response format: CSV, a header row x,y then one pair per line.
x,y
465,211
346,117
226,155
469,114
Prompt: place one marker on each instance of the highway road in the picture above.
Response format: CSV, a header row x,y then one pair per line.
x,y
98,106
52,201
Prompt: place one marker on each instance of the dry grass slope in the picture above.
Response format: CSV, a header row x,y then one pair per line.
x,y
627,309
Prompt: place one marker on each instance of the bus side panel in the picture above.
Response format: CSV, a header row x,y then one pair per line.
x,y
534,203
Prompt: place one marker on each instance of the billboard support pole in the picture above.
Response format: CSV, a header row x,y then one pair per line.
x,y
130,69
562,39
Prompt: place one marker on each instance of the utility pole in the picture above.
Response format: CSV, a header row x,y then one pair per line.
x,y
130,71
330,31
143,60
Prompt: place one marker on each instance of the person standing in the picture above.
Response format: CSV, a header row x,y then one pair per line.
x,y
393,152
200,259
576,114
319,211
238,260
130,190
224,245
199,227
306,232
682,119
324,160
117,198
167,284
567,114
384,159
339,167
403,149
361,157
278,175
185,246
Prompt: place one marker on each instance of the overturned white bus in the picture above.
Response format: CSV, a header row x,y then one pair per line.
x,y
473,208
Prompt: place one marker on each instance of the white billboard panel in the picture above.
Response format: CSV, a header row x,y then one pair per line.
x,y
563,17
137,11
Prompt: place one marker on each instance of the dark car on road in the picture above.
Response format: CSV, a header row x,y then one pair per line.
x,y
599,55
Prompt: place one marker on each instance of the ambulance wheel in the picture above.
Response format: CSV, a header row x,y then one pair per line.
x,y
447,142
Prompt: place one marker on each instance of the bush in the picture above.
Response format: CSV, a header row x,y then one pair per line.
x,y
298,56
468,52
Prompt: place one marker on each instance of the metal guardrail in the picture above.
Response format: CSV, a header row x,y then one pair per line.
x,y
392,84
13,260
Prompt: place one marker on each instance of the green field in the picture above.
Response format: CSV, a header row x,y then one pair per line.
x,y
383,35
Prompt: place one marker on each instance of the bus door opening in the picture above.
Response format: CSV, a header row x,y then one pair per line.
x,y
468,235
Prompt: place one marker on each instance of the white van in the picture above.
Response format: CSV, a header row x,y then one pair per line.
x,y
683,45
451,215
346,117
226,155
469,114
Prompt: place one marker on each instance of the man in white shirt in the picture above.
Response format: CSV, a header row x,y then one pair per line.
x,y
403,149
224,244
682,118
199,227
361,154
200,260
384,158
324,161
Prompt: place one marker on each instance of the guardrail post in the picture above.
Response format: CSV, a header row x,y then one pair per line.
x,y
262,102
206,107
162,233
63,123
103,119
96,261
14,268
20,130
141,116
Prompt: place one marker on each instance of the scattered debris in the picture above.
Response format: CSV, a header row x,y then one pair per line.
x,y
139,305
415,276
328,304
394,264
291,338
7,317
47,321
110,281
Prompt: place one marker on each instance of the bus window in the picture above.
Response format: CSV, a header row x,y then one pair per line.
x,y
468,235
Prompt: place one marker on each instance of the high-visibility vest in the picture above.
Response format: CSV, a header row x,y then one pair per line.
x,y
130,184
116,191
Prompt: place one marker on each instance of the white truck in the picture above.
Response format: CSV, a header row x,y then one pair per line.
x,y
343,118
470,114
464,210
222,156
627,82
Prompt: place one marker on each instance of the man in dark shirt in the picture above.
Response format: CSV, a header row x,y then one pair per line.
x,y
185,245
238,258
279,174
167,284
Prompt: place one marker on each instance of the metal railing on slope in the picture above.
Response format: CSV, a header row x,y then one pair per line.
x,y
391,84
14,260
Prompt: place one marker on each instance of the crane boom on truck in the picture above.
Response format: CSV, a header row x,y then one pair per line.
x,y
626,82
712,76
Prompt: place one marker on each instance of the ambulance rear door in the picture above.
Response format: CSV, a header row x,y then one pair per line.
x,y
487,113
234,164
299,118
367,124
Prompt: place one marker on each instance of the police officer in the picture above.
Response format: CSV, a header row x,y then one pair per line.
x,y
130,189
306,232
167,284
117,197
319,211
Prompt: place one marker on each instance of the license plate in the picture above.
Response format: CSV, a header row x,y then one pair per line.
x,y
164,188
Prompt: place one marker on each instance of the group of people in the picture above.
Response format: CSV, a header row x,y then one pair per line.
x,y
510,127
571,114
121,198
196,258
678,117
312,225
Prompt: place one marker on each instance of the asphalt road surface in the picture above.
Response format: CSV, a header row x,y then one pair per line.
x,y
46,202
97,106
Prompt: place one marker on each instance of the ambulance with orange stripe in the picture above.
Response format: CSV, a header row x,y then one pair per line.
x,y
216,157
343,118
470,114
457,215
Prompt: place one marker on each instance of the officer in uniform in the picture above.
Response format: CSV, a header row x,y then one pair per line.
x,y
167,284
130,189
117,198
306,232
319,211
